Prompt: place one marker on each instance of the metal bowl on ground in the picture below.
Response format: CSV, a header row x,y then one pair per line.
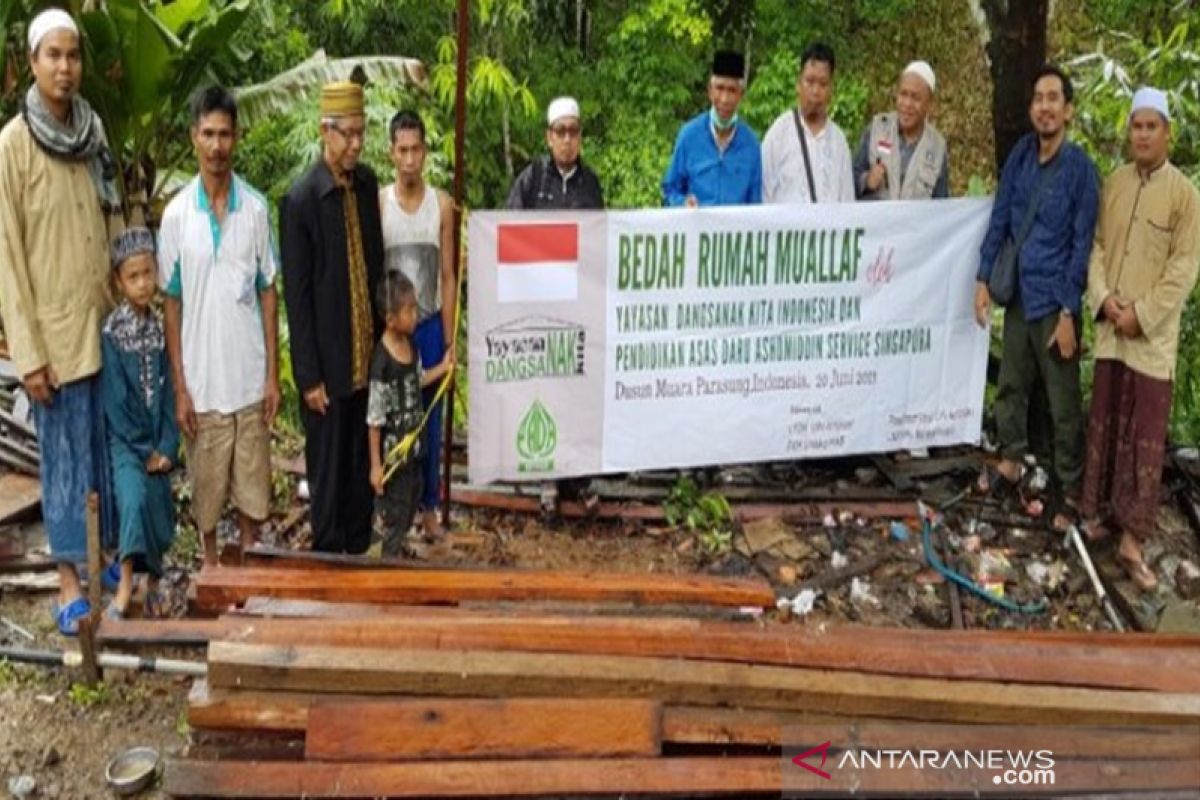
x,y
132,771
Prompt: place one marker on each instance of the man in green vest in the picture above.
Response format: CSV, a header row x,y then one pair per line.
x,y
900,155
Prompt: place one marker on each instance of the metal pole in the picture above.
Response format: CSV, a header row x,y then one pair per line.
x,y
74,658
460,185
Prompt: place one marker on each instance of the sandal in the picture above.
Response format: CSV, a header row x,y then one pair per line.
x,y
995,485
113,613
67,617
110,578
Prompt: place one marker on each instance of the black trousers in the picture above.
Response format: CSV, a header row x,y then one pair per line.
x,y
339,474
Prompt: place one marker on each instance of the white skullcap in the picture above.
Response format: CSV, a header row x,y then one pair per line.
x,y
1148,97
923,71
50,20
561,107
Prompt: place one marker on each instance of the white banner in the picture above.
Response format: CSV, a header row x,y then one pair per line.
x,y
615,341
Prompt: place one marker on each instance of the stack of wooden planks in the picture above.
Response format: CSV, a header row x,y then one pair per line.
x,y
327,679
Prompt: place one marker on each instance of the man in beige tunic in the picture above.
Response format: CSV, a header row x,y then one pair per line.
x,y
1142,270
56,179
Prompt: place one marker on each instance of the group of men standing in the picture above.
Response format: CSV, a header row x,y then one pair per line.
x,y
1127,256
341,235
59,211
804,158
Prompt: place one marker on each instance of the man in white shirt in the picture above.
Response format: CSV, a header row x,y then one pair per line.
x,y
217,268
805,158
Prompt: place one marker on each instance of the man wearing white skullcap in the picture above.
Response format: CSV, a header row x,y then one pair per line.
x,y
53,19
56,185
559,179
900,155
1143,268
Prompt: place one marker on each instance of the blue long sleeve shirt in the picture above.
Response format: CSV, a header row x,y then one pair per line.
x,y
1053,260
698,167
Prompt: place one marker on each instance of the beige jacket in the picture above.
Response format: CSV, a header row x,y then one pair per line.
x,y
54,262
1147,250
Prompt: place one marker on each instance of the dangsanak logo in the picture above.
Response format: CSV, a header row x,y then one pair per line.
x,y
537,436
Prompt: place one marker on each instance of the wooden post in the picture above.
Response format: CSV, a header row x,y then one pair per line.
x,y
88,625
460,186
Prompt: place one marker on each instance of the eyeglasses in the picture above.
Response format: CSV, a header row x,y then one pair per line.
x,y
566,131
358,135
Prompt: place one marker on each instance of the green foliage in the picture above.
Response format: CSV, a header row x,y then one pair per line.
x,y
143,60
705,513
86,696
1110,75
8,674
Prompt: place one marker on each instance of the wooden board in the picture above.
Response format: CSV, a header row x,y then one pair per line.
x,y
737,777
277,557
408,730
732,777
219,588
867,650
796,513
19,494
164,632
680,682
236,710
287,713
320,609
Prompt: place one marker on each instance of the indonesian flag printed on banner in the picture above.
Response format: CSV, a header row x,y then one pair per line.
x,y
537,262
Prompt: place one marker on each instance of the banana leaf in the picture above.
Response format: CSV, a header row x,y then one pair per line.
x,y
298,85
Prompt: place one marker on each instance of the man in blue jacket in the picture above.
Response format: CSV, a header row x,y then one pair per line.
x,y
1042,322
717,161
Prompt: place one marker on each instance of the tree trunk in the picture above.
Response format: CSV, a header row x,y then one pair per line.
x,y
1016,50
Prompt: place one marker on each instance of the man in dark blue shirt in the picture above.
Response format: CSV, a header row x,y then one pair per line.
x,y
1042,323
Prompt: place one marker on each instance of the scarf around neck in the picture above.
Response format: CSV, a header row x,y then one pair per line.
x,y
80,139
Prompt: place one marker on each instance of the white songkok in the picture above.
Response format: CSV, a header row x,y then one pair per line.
x,y
1148,97
50,20
923,71
562,107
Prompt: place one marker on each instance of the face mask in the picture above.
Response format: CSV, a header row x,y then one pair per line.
x,y
715,119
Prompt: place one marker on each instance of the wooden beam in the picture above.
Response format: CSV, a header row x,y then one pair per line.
x,y
278,557
287,713
19,494
167,632
698,725
320,609
807,512
409,730
738,777
1023,661
232,710
681,682
219,588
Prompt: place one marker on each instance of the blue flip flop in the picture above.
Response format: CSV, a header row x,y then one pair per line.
x,y
110,578
67,617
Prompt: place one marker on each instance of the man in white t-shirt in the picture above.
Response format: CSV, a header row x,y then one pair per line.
x,y
418,240
217,269
805,158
